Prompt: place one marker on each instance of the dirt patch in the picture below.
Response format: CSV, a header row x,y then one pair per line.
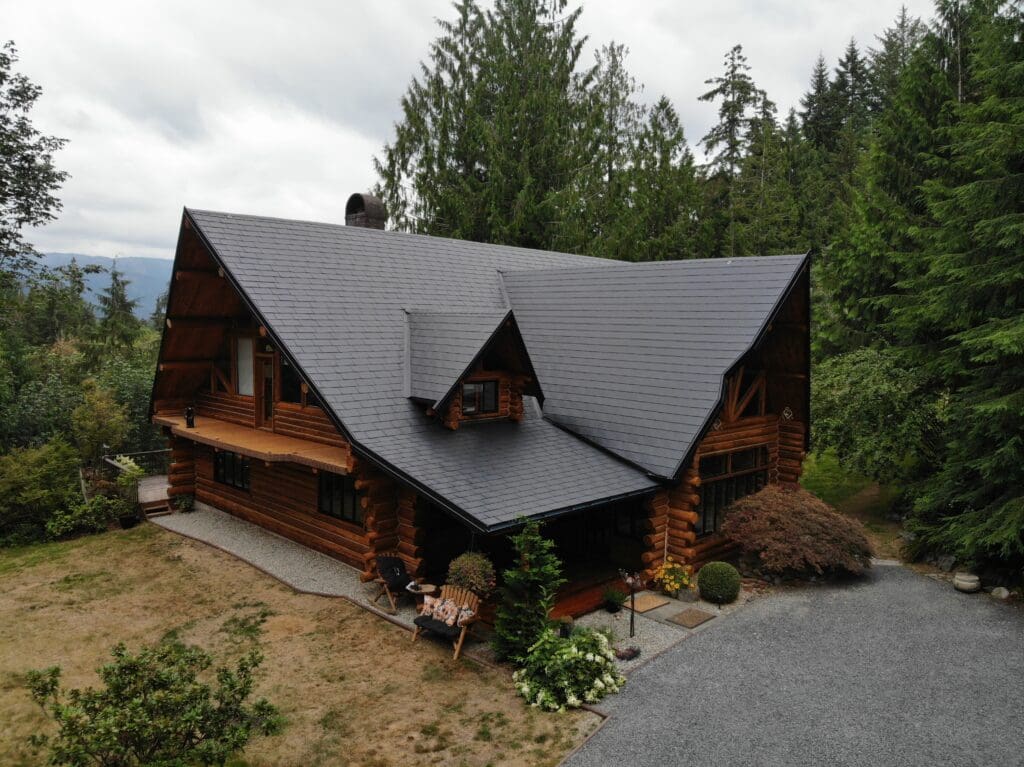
x,y
353,688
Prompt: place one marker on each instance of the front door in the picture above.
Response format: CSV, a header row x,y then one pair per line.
x,y
265,391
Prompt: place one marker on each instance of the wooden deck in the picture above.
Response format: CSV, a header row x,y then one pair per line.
x,y
260,444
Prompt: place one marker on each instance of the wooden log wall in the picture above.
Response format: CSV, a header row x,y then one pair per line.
x,y
181,472
227,407
283,498
306,423
790,451
655,524
510,398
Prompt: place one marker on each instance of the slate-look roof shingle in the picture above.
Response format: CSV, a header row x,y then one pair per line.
x,y
630,357
336,297
442,345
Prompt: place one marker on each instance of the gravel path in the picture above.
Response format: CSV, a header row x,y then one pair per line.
x,y
300,567
896,670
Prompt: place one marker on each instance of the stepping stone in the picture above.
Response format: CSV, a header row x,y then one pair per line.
x,y
691,617
645,602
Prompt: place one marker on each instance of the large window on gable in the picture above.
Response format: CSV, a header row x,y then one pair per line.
x,y
337,498
480,398
727,477
244,365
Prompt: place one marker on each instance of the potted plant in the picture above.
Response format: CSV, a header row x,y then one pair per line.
x,y
613,599
472,571
673,577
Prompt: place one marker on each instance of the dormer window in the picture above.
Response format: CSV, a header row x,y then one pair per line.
x,y
480,398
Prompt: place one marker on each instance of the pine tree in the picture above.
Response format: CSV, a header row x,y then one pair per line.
x,y
489,137
118,325
594,208
850,90
818,114
967,307
887,62
726,143
662,223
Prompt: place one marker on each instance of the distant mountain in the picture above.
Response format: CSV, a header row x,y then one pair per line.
x,y
148,277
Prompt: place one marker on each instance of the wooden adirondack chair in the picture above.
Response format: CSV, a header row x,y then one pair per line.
x,y
456,634
392,578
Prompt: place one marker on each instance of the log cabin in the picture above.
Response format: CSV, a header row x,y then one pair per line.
x,y
360,391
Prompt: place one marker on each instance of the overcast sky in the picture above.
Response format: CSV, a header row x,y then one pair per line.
x,y
277,108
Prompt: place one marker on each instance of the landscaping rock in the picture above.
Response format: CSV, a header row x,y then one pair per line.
x,y
945,562
966,582
1001,592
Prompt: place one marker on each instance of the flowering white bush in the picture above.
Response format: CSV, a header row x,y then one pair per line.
x,y
566,673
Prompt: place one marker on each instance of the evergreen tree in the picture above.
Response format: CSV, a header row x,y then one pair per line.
x,y
850,90
159,313
887,62
726,144
818,113
489,137
967,308
594,209
662,223
118,325
28,179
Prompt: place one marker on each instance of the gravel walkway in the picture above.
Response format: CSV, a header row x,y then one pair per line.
x,y
896,670
300,567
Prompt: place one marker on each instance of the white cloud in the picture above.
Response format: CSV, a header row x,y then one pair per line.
x,y
273,108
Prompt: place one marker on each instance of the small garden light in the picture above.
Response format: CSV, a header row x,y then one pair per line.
x,y
633,582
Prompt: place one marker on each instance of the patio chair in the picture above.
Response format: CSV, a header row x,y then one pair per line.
x,y
463,598
392,577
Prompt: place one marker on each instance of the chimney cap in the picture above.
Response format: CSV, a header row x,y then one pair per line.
x,y
365,210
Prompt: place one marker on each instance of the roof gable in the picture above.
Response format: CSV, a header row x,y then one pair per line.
x,y
633,357
442,346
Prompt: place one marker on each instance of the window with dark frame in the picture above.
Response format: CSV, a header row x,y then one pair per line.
x,y
337,498
480,398
291,383
727,477
232,469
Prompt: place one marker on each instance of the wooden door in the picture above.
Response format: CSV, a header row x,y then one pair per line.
x,y
265,391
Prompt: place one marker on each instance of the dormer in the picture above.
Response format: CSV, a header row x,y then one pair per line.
x,y
468,366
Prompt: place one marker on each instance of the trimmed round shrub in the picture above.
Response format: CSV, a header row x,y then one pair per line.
x,y
791,533
719,582
472,571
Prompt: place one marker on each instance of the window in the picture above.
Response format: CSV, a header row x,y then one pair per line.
x,y
338,498
727,477
480,398
244,366
231,469
291,383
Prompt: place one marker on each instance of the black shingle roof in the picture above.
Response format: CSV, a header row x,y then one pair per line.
x,y
336,298
633,356
442,345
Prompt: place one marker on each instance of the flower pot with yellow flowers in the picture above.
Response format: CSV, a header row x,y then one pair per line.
x,y
673,577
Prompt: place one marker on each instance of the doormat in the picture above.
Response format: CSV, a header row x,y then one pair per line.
x,y
645,602
691,617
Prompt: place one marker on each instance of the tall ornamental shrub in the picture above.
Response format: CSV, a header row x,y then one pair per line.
x,y
527,594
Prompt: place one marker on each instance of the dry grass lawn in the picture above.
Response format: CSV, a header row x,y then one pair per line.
x,y
353,688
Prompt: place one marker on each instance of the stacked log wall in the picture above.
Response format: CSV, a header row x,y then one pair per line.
x,y
791,453
655,526
233,408
283,498
181,471
306,423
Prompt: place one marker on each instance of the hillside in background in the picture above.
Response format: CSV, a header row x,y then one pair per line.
x,y
148,277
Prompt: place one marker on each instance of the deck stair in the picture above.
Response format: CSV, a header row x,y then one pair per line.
x,y
153,500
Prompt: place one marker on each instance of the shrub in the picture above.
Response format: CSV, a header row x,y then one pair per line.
x,y
566,673
34,484
92,516
527,594
472,571
791,533
130,474
153,708
719,582
613,599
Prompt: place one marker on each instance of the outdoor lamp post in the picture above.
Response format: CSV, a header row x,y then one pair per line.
x,y
633,581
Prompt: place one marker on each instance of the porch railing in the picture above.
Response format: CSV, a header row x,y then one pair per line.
x,y
152,462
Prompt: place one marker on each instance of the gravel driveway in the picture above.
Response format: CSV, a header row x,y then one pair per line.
x,y
896,670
